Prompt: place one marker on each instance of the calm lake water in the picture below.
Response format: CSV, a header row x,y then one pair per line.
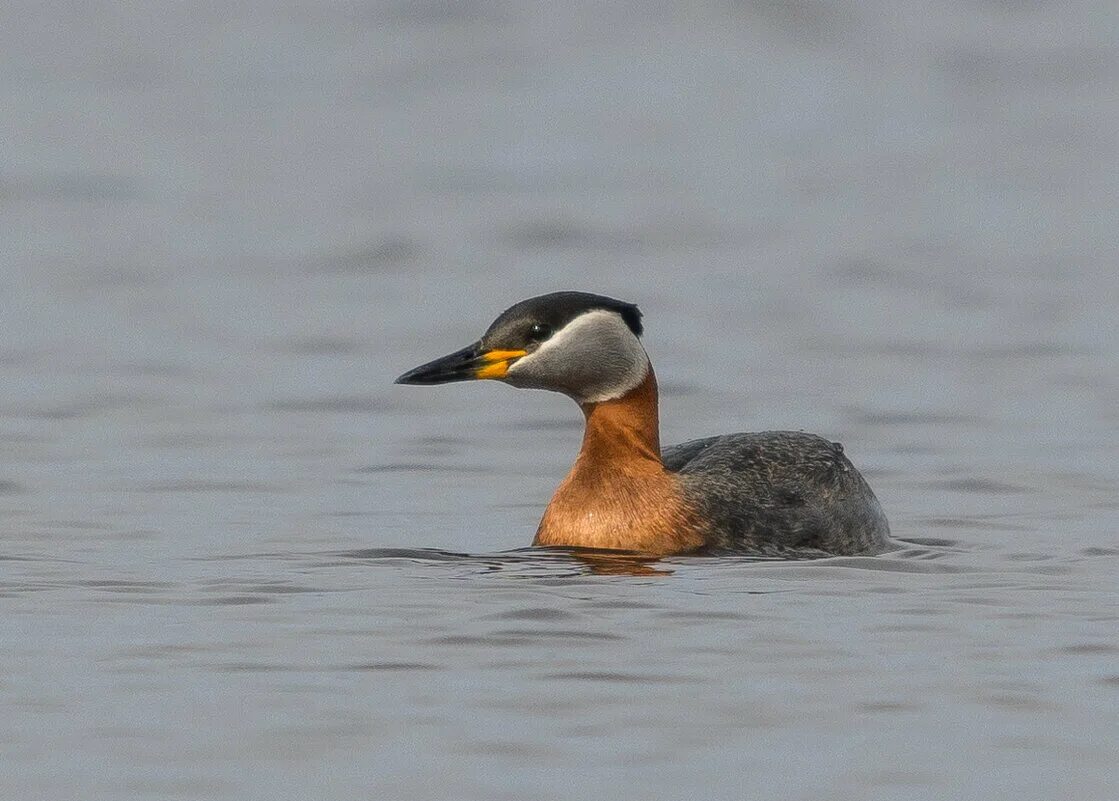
x,y
236,562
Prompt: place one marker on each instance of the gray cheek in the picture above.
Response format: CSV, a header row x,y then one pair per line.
x,y
579,370
526,376
539,371
595,357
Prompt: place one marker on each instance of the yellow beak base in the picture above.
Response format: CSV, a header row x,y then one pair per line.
x,y
495,363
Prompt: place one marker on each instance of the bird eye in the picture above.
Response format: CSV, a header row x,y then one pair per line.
x,y
539,332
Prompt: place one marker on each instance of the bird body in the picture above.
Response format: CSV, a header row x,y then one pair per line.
x,y
774,492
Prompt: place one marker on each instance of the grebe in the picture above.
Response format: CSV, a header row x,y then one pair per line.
x,y
769,492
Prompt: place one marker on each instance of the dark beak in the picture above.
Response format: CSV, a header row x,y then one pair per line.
x,y
471,363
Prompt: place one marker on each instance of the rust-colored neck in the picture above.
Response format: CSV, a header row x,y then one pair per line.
x,y
625,429
618,494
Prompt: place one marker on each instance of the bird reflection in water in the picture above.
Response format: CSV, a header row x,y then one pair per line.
x,y
617,563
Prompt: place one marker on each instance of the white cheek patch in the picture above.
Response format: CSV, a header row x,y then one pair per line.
x,y
594,358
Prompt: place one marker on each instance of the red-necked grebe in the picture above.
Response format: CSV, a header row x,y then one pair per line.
x,y
766,492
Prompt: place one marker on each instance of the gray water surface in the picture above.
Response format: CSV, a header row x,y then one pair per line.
x,y
236,562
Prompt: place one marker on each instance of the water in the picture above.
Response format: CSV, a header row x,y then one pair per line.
x,y
236,562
